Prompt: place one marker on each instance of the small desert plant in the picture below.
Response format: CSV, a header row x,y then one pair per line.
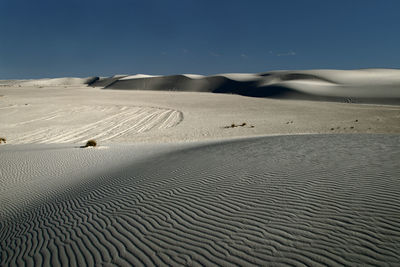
x,y
233,125
3,140
91,143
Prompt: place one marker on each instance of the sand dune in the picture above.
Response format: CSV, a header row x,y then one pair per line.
x,y
377,86
164,83
106,81
363,86
102,123
317,200
53,82
367,83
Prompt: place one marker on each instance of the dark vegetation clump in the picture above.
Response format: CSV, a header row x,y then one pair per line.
x,y
91,142
233,125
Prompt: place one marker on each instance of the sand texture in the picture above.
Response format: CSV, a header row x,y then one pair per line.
x,y
107,122
313,200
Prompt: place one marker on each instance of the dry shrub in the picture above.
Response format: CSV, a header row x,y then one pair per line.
x,y
91,143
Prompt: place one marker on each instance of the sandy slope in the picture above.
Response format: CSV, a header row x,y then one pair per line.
x,y
75,114
49,82
363,86
70,124
312,200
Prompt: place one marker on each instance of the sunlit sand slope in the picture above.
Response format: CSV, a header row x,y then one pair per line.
x,y
67,81
77,123
312,200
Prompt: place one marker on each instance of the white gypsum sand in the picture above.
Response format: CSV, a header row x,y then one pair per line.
x,y
172,182
297,200
78,123
363,86
76,114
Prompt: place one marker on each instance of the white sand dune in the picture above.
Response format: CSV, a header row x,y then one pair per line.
x,y
194,76
240,77
316,200
79,123
53,82
366,83
137,76
363,86
161,83
107,81
379,86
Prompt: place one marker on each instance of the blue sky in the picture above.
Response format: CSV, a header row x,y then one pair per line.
x,y
55,38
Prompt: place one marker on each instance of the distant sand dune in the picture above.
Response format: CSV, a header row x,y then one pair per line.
x,y
381,86
109,122
317,200
376,86
105,82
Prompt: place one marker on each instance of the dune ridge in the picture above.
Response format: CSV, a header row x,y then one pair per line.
x,y
69,81
316,200
361,86
375,86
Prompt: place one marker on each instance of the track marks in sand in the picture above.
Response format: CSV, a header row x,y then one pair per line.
x,y
329,200
79,123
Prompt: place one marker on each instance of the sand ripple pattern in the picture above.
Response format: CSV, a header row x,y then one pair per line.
x,y
328,200
103,123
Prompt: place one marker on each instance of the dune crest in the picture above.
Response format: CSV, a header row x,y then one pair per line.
x,y
362,86
57,82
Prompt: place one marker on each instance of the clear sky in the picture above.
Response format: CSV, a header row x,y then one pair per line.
x,y
57,38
